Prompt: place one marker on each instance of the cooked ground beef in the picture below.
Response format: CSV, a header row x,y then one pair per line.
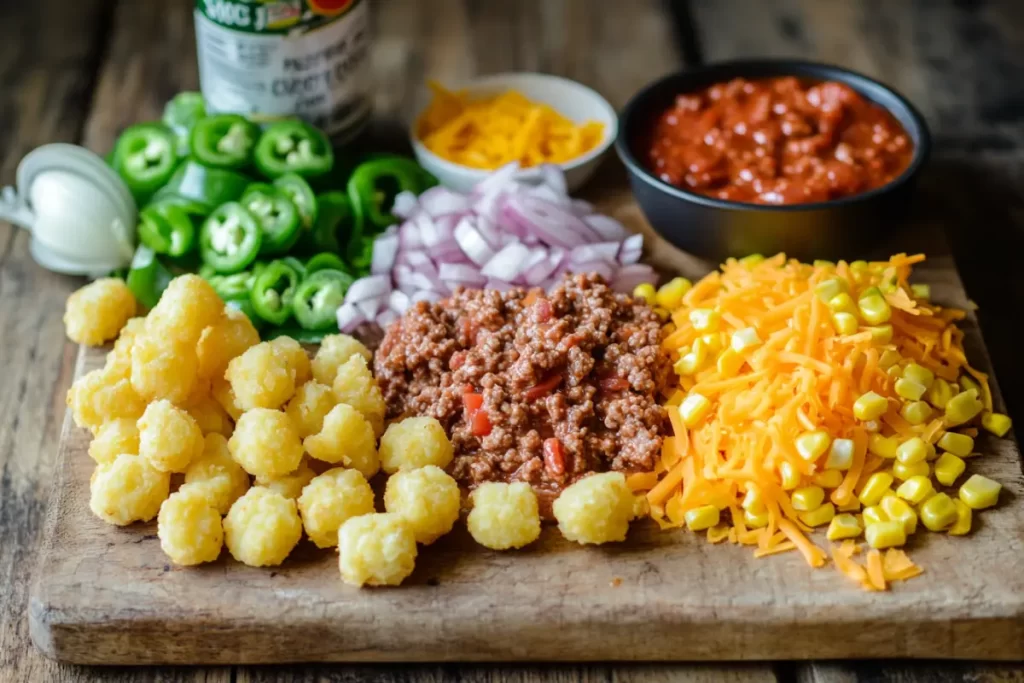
x,y
531,387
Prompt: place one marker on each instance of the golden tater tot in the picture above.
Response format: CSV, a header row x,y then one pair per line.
x,y
97,397
96,313
186,308
217,475
354,384
262,377
211,417
262,527
222,392
504,515
163,368
346,438
169,438
376,550
334,351
298,360
114,438
308,407
189,528
224,341
329,500
415,442
265,443
596,509
128,490
289,485
428,499
119,360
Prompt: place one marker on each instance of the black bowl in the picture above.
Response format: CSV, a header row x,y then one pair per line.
x,y
716,229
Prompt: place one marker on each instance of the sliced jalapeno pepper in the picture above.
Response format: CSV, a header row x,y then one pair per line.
x,y
325,261
277,217
181,114
166,228
296,265
317,298
334,224
302,196
293,147
230,238
373,186
224,141
272,292
147,277
210,187
145,157
232,286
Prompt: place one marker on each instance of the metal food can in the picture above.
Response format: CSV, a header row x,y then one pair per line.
x,y
272,59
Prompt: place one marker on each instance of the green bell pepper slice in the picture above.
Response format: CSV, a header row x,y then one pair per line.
x,y
147,277
317,298
181,113
272,292
293,146
209,187
298,190
325,261
224,141
145,156
277,217
230,238
166,228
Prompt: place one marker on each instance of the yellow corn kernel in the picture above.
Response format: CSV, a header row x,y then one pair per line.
x,y
963,519
939,393
980,492
885,535
894,373
870,406
753,500
948,468
910,389
646,292
704,517
826,290
662,313
705,319
898,511
729,363
691,361
823,263
872,426
840,455
789,475
755,520
933,454
845,323
670,295
997,423
873,514
882,334
807,498
843,526
829,479
694,408
751,260
744,339
875,487
842,303
938,512
883,446
889,358
851,505
821,515
812,445
915,489
904,472
713,341
963,407
859,266
957,444
914,412
967,383
919,374
921,291
912,451
873,306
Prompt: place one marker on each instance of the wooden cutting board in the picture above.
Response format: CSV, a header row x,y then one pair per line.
x,y
106,595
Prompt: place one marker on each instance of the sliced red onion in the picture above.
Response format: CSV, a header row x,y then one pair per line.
x,y
372,287
550,223
427,282
507,263
385,251
472,242
386,317
403,277
539,267
554,178
349,317
631,250
439,201
455,274
490,231
606,227
630,276
418,260
602,268
600,251
370,307
499,285
581,208
405,204
399,301
409,236
500,179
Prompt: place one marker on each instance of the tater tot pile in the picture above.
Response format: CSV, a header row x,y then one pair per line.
x,y
274,445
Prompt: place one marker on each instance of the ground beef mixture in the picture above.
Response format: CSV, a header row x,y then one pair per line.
x,y
532,387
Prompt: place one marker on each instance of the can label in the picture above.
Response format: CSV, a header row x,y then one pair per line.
x,y
270,59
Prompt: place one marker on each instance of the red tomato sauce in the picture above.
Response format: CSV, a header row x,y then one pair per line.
x,y
778,141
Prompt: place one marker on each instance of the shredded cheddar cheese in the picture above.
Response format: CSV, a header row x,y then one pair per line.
x,y
492,131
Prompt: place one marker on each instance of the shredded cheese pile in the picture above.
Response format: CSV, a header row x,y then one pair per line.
x,y
490,132
767,383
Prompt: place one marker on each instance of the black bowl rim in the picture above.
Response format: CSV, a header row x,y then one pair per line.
x,y
919,129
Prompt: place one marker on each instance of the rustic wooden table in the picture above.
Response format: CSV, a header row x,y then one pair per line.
x,y
80,71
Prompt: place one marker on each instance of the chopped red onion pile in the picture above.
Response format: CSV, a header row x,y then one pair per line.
x,y
512,230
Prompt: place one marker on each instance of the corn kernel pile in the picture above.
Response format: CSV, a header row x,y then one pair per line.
x,y
825,396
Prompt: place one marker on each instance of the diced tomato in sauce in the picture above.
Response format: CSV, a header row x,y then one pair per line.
x,y
480,423
614,384
554,457
542,388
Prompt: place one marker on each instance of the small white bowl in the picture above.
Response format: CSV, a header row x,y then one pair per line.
x,y
572,100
